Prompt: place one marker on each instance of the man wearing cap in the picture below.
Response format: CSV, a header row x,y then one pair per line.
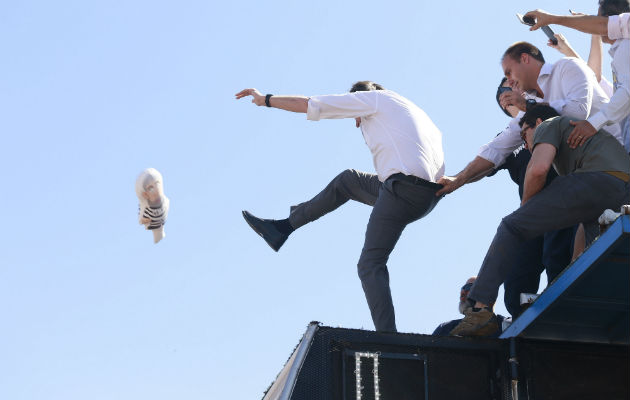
x,y
407,152
593,178
613,29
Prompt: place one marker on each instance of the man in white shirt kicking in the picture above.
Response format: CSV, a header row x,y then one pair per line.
x,y
407,152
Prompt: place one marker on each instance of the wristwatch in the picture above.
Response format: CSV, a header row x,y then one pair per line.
x,y
529,103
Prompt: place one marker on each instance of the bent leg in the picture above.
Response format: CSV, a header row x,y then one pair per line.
x,y
348,185
565,202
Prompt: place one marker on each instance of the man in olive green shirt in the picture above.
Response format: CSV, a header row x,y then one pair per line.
x,y
593,177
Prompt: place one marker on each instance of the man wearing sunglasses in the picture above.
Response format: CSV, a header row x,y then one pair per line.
x,y
592,178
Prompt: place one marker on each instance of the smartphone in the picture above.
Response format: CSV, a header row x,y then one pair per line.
x,y
504,89
550,35
529,21
526,20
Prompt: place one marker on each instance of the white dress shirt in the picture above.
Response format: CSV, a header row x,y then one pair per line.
x,y
401,137
498,149
619,26
570,87
606,86
619,106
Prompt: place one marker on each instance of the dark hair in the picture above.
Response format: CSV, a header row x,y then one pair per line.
x,y
499,92
518,48
541,110
613,7
365,86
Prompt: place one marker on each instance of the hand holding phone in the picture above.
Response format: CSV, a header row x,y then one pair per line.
x,y
529,21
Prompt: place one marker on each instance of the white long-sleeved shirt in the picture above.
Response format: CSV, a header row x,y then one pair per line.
x,y
619,106
400,136
570,87
619,26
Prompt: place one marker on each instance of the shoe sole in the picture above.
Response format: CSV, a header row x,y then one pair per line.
x,y
255,229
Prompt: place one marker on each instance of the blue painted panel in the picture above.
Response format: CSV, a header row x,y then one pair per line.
x,y
590,301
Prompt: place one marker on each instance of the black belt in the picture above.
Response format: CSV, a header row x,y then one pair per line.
x,y
416,181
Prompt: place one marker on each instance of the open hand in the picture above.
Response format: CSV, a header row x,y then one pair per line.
x,y
258,97
563,46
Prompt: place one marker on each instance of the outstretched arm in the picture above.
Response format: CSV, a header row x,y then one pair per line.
x,y
585,23
297,104
474,171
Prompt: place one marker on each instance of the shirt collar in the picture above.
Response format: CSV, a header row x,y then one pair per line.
x,y
545,70
543,76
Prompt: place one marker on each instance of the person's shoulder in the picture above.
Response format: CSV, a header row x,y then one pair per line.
x,y
570,63
552,124
386,93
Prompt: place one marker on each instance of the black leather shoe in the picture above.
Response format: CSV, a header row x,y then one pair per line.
x,y
267,230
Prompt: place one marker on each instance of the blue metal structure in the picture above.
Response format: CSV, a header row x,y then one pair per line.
x,y
590,300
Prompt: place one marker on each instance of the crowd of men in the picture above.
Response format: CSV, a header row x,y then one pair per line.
x,y
566,147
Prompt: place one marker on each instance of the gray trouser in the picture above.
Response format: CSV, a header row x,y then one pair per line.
x,y
567,201
396,203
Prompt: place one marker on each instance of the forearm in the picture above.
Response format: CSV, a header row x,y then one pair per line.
x,y
585,23
595,56
298,104
613,111
475,170
534,183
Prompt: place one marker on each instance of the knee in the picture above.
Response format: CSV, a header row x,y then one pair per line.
x,y
362,268
346,176
369,265
510,226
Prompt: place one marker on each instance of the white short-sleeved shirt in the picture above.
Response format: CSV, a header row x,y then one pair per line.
x,y
570,87
401,137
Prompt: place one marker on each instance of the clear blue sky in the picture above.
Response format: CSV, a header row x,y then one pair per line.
x,y
93,92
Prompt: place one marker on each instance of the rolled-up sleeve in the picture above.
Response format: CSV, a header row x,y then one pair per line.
x,y
349,105
619,106
499,148
619,26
